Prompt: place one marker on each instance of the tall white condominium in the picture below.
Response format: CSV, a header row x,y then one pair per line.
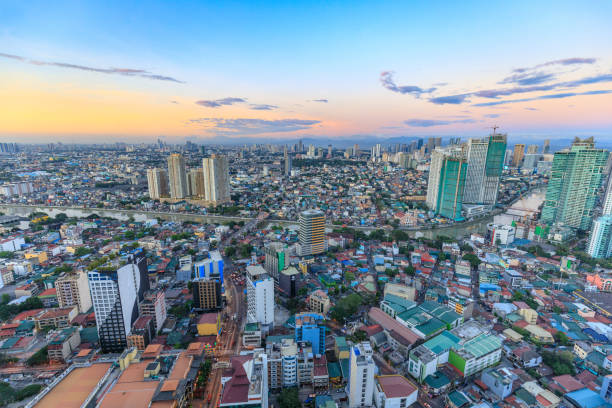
x,y
361,376
157,180
177,176
216,179
260,296
600,241
485,159
115,295
607,203
312,232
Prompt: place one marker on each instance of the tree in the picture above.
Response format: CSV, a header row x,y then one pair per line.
x,y
346,307
562,339
472,259
6,254
39,358
289,398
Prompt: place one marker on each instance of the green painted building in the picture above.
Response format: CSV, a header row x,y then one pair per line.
x,y
476,354
575,179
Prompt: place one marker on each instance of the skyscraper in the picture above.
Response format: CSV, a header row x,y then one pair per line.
x,y
361,376
607,201
287,165
312,232
574,181
485,159
532,149
72,289
446,183
115,295
546,148
157,180
177,176
216,179
517,157
600,240
329,151
195,180
260,296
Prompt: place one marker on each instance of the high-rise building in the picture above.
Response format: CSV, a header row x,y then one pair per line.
x,y
260,296
575,178
607,201
329,151
519,153
216,179
600,240
310,327
177,176
532,149
73,290
361,376
277,257
355,150
157,180
445,188
485,163
206,293
116,295
195,181
154,305
312,232
288,165
546,148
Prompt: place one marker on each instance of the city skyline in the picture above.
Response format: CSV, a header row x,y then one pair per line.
x,y
90,73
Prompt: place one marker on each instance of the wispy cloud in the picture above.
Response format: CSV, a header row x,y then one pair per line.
x,y
215,103
263,107
320,100
435,122
564,61
532,109
492,115
529,78
249,126
386,78
113,71
551,96
450,99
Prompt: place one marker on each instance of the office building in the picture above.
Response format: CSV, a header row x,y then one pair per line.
x,y
73,290
360,387
277,258
310,328
260,296
532,149
485,162
312,232
195,181
177,176
575,179
210,267
519,153
116,295
476,354
318,302
157,180
206,294
546,148
288,165
600,240
289,281
216,179
154,305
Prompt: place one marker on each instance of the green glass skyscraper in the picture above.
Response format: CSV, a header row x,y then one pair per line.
x,y
452,182
574,181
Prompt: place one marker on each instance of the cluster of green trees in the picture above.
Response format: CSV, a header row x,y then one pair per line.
x,y
560,362
8,394
8,311
182,235
346,307
204,373
289,398
243,250
181,311
38,358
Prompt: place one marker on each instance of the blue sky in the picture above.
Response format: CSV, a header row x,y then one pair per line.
x,y
284,55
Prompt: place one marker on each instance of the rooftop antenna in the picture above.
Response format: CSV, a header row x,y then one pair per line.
x,y
495,127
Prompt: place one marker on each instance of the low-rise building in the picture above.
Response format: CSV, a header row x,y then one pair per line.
x,y
394,391
63,343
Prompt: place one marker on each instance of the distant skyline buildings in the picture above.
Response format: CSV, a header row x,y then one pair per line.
x,y
177,176
216,179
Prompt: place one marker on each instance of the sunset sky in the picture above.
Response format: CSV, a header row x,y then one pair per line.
x,y
109,71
